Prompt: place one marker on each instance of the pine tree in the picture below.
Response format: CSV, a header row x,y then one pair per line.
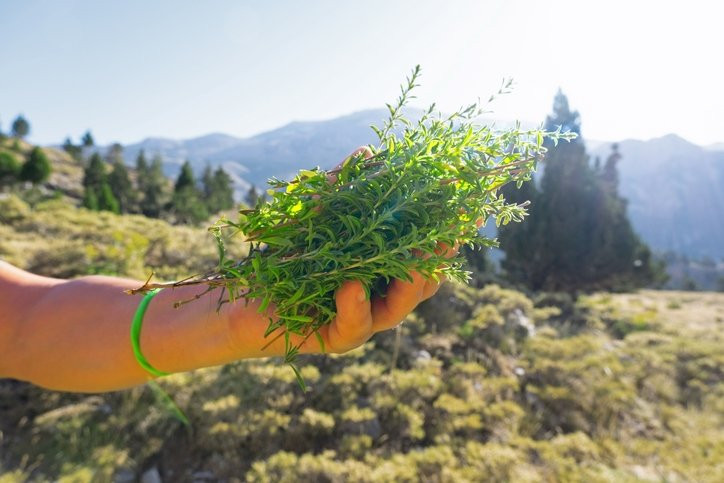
x,y
142,171
577,236
97,192
152,185
87,140
90,199
37,168
20,127
121,187
185,178
218,190
106,200
207,183
609,174
94,175
186,202
223,190
9,168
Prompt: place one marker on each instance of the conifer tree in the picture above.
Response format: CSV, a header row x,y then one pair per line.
x,y
87,140
97,192
20,127
37,167
142,171
121,187
106,200
186,203
152,185
577,237
90,199
185,178
94,174
207,183
218,191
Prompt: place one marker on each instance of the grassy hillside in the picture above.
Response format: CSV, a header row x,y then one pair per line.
x,y
478,385
57,239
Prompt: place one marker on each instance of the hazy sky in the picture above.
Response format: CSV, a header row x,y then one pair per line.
x,y
133,69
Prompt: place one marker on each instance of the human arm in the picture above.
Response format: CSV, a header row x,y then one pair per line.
x,y
74,335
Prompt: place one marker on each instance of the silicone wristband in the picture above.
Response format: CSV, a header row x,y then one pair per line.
x,y
136,334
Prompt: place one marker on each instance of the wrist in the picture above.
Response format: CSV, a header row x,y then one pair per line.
x,y
191,336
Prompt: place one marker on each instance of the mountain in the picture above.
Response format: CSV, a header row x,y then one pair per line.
x,y
277,153
674,192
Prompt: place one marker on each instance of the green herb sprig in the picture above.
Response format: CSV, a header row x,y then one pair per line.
x,y
426,183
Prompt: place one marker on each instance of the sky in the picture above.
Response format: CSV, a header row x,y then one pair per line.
x,y
135,69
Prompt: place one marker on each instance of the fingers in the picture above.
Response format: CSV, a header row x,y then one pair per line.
x,y
402,297
353,324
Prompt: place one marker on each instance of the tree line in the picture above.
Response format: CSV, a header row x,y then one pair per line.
x,y
109,185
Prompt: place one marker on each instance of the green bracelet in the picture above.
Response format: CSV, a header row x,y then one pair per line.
x,y
136,334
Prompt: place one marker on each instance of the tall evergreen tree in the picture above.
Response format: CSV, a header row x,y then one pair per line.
x,y
37,167
142,170
207,182
106,200
218,191
185,178
152,185
94,174
186,202
87,140
577,236
97,192
121,187
20,127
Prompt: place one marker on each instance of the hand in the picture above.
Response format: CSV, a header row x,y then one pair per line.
x,y
358,318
